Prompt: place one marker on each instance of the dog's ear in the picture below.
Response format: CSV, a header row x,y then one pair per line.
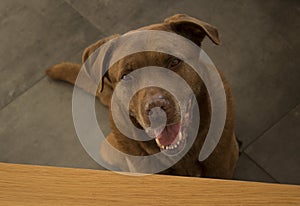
x,y
92,48
192,28
105,89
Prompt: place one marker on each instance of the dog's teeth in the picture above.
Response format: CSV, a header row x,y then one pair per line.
x,y
158,144
175,146
180,136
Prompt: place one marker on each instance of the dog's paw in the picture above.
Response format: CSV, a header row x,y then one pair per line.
x,y
55,72
65,71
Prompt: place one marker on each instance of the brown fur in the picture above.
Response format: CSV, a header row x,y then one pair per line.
x,y
221,163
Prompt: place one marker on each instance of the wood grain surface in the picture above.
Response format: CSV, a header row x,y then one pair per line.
x,y
41,185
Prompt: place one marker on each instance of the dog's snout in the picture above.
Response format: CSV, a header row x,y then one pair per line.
x,y
157,106
158,101
156,111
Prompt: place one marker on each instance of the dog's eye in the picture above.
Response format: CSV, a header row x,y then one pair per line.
x,y
174,62
126,77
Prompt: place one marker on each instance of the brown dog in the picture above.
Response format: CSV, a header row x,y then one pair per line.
x,y
221,163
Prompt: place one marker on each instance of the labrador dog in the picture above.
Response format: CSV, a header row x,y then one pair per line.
x,y
221,162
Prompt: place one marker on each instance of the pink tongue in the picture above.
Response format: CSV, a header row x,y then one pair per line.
x,y
169,134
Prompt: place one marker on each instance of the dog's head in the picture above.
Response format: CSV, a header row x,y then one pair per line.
x,y
146,104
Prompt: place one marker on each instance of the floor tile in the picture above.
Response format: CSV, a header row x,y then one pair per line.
x,y
112,17
277,151
34,36
248,170
37,128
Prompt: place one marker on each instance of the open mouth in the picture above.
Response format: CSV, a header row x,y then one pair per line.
x,y
172,138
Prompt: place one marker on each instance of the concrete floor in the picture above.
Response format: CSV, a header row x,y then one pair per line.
x,y
259,56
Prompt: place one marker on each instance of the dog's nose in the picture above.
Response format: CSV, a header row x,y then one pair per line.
x,y
156,111
156,101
